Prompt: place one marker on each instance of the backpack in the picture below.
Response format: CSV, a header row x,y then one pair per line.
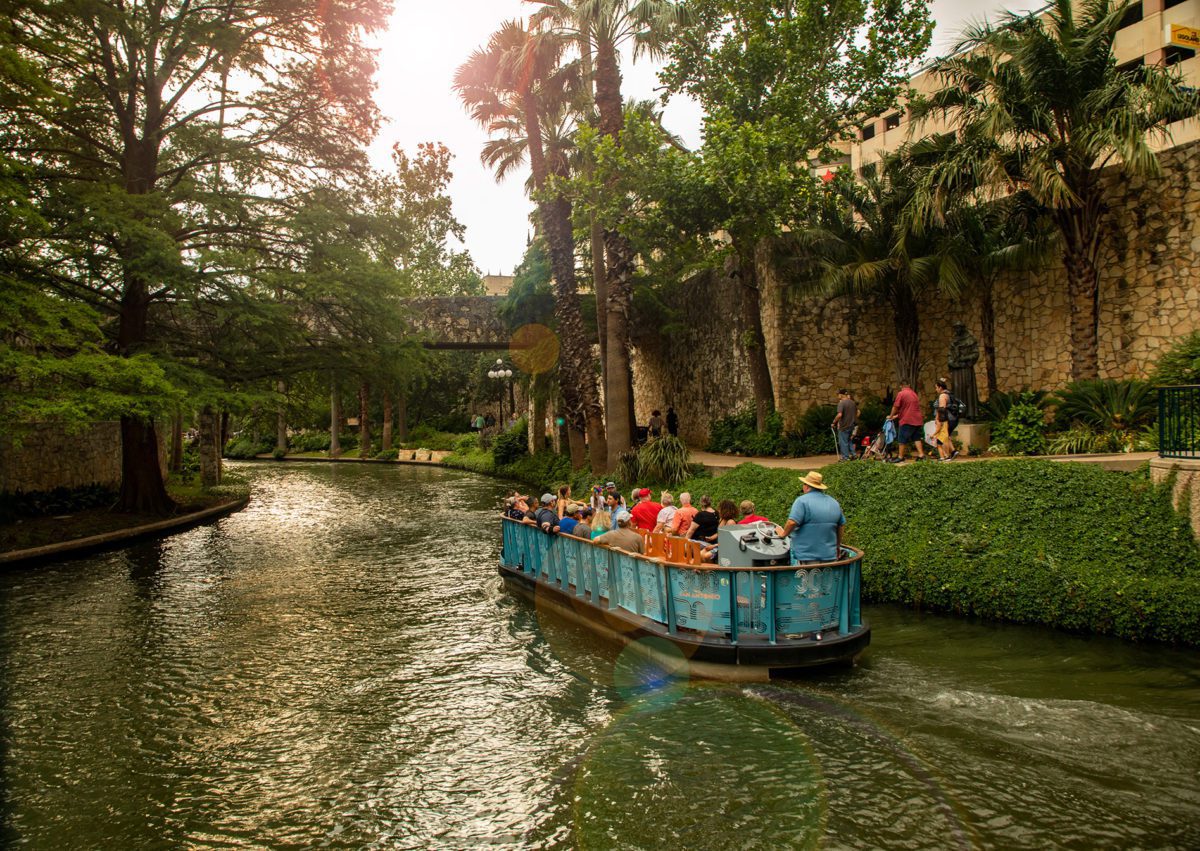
x,y
957,409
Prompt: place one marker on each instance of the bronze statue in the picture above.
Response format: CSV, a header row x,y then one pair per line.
x,y
964,354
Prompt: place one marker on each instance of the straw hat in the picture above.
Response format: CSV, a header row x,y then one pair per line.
x,y
814,480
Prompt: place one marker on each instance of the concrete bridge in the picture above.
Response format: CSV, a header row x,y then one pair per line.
x,y
471,323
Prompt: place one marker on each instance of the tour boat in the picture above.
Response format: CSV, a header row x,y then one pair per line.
x,y
748,616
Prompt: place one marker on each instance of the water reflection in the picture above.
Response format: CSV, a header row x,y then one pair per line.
x,y
337,665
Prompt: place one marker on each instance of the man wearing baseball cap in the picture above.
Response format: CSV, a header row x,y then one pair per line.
x,y
645,513
815,523
623,537
547,517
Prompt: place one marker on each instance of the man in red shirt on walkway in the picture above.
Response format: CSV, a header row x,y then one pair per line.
x,y
911,422
645,513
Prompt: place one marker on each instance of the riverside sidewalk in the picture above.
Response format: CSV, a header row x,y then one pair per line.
x,y
721,463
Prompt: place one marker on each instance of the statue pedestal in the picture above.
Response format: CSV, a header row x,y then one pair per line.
x,y
974,435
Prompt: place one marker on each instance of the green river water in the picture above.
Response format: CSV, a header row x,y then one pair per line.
x,y
338,666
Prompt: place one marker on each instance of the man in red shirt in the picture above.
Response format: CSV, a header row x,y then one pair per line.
x,y
911,423
645,513
748,515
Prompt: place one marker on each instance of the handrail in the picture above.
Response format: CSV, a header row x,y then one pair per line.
x,y
765,603
857,555
1179,421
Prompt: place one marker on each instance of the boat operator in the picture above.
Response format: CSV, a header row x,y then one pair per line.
x,y
814,523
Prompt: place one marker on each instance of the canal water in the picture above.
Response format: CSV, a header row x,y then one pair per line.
x,y
337,666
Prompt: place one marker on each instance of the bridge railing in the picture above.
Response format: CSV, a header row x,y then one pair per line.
x,y
1179,422
741,604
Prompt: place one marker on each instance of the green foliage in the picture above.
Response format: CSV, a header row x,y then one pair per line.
x,y
737,434
387,455
424,437
467,443
1107,405
1181,363
278,453
512,444
996,408
1066,545
244,448
629,467
1021,432
663,460
311,441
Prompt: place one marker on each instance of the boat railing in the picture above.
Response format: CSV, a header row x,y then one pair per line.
x,y
759,603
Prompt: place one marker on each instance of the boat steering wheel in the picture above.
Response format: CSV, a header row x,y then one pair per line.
x,y
765,530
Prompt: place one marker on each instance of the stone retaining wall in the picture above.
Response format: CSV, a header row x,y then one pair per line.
x,y
1149,297
49,457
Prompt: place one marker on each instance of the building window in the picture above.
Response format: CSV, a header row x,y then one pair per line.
x,y
868,130
1131,66
1132,16
1174,54
1167,4
892,121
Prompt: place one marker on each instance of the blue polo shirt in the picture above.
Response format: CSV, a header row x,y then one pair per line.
x,y
566,526
817,516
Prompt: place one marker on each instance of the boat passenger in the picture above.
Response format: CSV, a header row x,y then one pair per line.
x,y
547,520
728,513
516,508
683,516
564,499
601,522
623,537
705,523
666,517
582,528
815,523
748,515
611,488
645,513
612,502
566,525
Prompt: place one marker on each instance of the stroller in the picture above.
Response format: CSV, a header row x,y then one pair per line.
x,y
879,448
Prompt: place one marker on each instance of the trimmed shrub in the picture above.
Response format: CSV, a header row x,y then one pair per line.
x,y
388,455
243,448
1026,541
512,444
663,460
1021,432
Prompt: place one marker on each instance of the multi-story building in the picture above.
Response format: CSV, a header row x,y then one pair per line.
x,y
1154,32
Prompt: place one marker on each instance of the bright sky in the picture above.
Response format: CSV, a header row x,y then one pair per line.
x,y
426,44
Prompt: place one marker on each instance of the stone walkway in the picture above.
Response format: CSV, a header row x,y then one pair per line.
x,y
721,463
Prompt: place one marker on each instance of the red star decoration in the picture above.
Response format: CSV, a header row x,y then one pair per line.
x,y
827,176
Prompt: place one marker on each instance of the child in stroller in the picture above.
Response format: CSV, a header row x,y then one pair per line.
x,y
878,446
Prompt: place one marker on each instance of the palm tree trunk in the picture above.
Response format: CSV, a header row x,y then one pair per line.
x,y
756,341
576,376
401,417
1080,227
364,421
618,378
987,327
908,334
335,420
596,235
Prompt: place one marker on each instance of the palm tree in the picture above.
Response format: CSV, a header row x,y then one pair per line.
x,y
511,79
1040,105
865,250
602,27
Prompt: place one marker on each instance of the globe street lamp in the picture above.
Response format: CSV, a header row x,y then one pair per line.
x,y
503,373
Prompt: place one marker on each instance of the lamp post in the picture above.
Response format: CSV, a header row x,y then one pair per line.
x,y
503,373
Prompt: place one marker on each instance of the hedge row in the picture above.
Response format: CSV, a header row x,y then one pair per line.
x,y
1072,546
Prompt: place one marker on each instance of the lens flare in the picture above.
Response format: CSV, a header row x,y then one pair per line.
x,y
534,349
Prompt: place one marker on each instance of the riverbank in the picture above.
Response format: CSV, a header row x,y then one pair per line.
x,y
77,533
1029,541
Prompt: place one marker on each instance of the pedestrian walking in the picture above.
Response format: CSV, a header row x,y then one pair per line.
x,y
844,422
672,421
906,411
